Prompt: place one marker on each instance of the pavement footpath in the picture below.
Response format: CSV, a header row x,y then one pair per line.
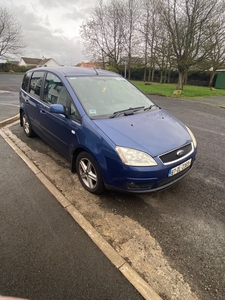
x,y
48,250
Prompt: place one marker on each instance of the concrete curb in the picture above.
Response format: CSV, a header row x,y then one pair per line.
x,y
9,120
132,276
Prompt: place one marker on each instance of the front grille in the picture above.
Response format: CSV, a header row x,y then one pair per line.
x,y
172,156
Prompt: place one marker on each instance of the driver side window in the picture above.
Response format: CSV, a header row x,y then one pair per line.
x,y
52,89
56,93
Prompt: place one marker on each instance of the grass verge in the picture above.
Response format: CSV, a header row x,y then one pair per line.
x,y
167,90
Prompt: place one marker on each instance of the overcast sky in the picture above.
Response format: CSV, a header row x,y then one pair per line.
x,y
51,27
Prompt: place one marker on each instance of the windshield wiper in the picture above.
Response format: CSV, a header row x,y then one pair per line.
x,y
126,112
149,107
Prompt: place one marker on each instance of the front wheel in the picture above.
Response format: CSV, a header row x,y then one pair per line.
x,y
26,126
89,173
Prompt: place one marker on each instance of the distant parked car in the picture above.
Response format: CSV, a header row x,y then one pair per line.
x,y
114,136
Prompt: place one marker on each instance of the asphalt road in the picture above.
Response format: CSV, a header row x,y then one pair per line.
x,y
186,220
192,233
9,95
10,82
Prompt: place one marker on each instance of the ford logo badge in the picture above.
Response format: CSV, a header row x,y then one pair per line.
x,y
180,153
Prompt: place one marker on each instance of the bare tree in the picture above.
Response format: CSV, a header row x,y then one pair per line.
x,y
187,23
103,34
172,34
11,39
92,33
130,17
147,29
152,40
216,57
163,48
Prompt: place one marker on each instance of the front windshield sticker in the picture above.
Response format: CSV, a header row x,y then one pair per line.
x,y
92,111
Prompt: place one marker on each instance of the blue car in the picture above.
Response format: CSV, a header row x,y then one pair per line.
x,y
114,136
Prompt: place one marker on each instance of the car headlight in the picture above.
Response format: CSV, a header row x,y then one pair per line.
x,y
192,136
132,157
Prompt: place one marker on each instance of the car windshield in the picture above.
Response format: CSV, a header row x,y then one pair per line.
x,y
104,97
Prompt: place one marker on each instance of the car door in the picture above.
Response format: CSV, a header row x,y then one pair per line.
x,y
56,127
76,134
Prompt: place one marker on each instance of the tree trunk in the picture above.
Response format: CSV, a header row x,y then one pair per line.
x,y
145,75
185,78
161,77
212,75
153,74
165,76
103,61
180,80
149,74
169,73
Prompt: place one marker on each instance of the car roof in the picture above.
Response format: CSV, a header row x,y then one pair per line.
x,y
76,71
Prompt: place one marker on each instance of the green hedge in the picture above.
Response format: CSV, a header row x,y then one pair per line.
x,y
198,78
8,67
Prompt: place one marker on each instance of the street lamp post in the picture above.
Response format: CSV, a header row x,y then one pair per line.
x,y
125,59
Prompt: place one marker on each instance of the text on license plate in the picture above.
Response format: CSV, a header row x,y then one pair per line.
x,y
179,168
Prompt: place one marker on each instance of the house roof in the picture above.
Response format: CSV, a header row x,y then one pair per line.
x,y
31,61
88,65
35,61
43,61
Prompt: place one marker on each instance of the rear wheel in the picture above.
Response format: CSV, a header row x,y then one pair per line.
x,y
89,173
26,126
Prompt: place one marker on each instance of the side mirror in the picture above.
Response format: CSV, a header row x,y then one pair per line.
x,y
57,109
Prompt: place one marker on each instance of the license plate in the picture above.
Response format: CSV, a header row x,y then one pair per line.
x,y
179,168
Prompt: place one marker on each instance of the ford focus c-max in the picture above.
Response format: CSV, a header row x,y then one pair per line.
x,y
114,136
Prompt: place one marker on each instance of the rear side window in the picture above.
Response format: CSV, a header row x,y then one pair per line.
x,y
26,80
35,83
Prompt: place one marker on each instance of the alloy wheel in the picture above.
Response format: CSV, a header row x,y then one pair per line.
x,y
88,173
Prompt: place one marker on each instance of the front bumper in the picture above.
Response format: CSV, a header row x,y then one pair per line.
x,y
139,181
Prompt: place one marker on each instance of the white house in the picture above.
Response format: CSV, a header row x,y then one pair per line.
x,y
37,62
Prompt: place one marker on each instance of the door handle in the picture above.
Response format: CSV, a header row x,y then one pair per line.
x,y
43,112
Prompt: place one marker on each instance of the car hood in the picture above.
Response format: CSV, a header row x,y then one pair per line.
x,y
154,132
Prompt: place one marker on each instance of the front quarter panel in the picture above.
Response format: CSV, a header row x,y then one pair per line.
x,y
93,140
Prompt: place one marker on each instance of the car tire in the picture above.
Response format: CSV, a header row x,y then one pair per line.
x,y
89,173
26,126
